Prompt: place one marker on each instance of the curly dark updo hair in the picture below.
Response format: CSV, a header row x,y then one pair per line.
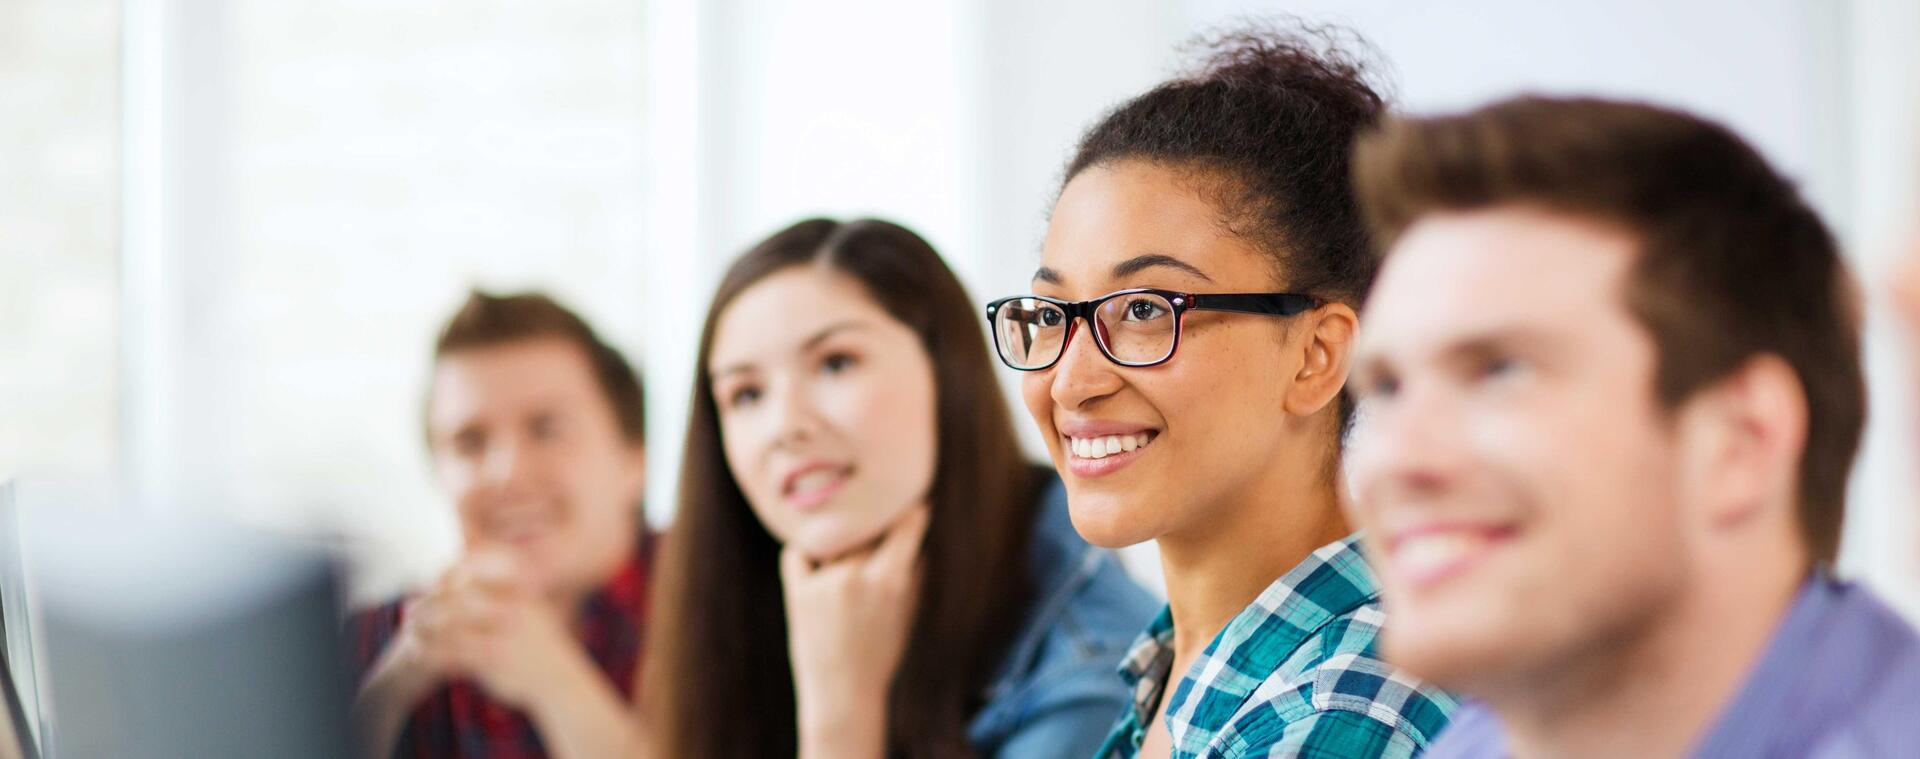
x,y
1270,115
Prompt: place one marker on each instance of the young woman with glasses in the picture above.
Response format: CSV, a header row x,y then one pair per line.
x,y
862,564
1186,346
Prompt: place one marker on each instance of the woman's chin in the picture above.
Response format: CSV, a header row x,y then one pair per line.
x,y
830,543
1105,523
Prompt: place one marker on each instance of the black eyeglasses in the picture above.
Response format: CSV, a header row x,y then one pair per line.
x,y
1139,327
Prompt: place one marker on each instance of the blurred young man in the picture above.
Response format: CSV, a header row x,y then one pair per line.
x,y
529,645
1612,388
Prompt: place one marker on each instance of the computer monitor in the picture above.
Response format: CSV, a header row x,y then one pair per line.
x,y
177,639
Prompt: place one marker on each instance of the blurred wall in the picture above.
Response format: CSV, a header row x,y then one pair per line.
x,y
311,189
59,287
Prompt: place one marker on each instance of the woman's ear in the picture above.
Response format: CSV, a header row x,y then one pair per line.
x,y
1323,370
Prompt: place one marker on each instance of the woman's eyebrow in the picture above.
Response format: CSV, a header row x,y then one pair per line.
x,y
1138,264
830,331
813,341
1130,267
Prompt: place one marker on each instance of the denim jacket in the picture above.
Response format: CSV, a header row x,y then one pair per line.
x,y
1056,693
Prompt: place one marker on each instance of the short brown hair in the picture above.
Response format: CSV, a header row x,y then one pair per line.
x,y
486,320
1733,262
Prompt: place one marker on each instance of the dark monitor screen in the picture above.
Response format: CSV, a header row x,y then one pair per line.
x,y
169,639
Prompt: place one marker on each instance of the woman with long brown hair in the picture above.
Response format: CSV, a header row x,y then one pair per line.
x,y
863,564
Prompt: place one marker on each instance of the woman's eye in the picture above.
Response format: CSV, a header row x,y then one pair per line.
x,y
837,363
742,396
1051,318
1144,310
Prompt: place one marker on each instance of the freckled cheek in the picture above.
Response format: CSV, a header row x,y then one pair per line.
x,y
1205,394
1240,371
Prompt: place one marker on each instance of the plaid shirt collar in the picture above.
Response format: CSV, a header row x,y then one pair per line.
x,y
1332,582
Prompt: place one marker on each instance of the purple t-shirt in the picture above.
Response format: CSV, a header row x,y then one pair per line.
x,y
1839,679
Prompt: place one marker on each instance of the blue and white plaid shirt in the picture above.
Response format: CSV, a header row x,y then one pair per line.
x,y
1296,674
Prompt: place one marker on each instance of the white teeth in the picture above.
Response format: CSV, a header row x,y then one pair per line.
x,y
814,481
1102,447
1425,553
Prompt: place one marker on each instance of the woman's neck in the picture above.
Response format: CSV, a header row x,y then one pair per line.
x,y
1241,546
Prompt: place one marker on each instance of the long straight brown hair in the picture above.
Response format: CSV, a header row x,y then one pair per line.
x,y
718,682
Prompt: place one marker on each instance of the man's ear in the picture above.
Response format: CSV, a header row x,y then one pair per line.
x,y
1328,349
1744,437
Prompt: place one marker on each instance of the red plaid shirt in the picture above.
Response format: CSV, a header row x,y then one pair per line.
x,y
460,721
